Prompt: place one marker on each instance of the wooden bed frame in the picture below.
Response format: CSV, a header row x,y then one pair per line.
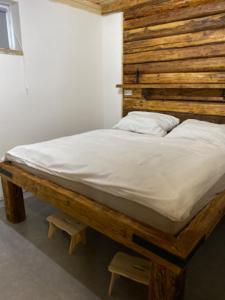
x,y
178,69
168,254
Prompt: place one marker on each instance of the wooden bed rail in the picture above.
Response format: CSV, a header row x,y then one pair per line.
x,y
142,238
168,254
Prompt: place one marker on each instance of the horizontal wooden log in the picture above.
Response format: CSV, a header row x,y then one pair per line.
x,y
177,41
154,7
176,54
131,86
120,5
176,106
206,77
83,4
189,65
103,219
205,9
213,95
175,28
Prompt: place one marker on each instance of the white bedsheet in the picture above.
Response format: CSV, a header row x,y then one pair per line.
x,y
166,175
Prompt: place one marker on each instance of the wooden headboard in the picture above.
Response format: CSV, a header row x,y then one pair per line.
x,y
174,58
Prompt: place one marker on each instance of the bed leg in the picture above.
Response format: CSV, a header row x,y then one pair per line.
x,y
166,285
14,202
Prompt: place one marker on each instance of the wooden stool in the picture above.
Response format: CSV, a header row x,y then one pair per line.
x,y
134,268
74,228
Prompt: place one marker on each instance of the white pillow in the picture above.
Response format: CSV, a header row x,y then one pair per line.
x,y
200,130
148,123
167,122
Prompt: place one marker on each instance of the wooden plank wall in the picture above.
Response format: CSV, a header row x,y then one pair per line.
x,y
176,42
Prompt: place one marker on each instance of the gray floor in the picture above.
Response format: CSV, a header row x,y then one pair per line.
x,y
31,267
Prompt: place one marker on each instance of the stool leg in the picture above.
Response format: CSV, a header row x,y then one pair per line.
x,y
51,230
73,243
112,282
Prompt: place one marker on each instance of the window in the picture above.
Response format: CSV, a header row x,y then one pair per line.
x,y
4,40
10,33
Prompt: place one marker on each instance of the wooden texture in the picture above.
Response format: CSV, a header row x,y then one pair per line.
x,y
120,5
189,65
167,277
165,285
172,85
204,95
176,41
112,223
175,14
175,45
167,78
131,267
215,50
102,6
193,107
75,229
156,7
113,279
14,204
88,5
180,27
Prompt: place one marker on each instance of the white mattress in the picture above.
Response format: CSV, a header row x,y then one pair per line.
x,y
174,178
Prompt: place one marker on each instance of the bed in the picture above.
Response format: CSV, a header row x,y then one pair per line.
x,y
169,245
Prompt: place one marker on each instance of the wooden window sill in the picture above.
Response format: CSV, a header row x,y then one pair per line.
x,y
11,52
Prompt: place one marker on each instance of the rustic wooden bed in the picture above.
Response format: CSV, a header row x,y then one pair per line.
x,y
168,254
174,62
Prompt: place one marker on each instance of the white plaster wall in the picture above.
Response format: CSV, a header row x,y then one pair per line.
x,y
112,43
63,54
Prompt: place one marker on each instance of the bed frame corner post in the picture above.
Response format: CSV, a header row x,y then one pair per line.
x,y
14,202
165,284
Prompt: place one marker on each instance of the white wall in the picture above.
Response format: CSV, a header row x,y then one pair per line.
x,y
62,47
73,62
112,43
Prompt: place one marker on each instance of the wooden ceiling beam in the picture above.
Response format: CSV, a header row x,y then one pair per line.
x,y
102,6
83,4
120,5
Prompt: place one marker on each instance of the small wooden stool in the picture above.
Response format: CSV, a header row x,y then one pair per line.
x,y
134,268
74,228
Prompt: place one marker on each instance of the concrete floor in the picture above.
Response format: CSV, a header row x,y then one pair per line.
x,y
32,267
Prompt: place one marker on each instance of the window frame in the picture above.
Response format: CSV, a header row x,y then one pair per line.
x,y
10,28
14,34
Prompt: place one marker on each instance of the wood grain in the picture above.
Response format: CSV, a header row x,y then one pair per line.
x,y
206,95
120,5
165,30
110,222
156,7
212,64
105,220
172,15
14,203
168,78
215,109
176,41
214,50
165,285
